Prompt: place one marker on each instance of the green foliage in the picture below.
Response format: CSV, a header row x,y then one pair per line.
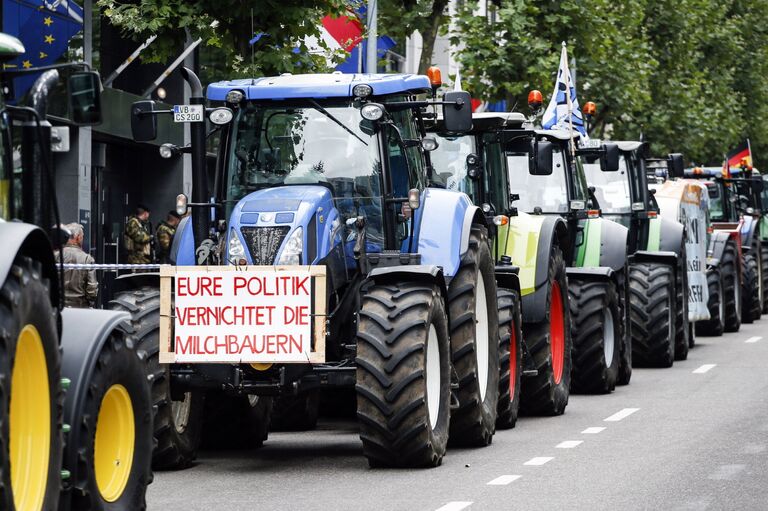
x,y
687,74
228,26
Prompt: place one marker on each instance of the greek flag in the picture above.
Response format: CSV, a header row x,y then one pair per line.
x,y
563,112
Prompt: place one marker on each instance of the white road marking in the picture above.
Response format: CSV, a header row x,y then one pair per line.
x,y
504,480
727,472
622,414
539,460
455,506
753,339
703,369
569,444
593,430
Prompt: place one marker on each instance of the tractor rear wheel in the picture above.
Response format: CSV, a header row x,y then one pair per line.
x,y
178,423
510,357
236,422
403,375
764,275
30,391
751,307
731,287
549,343
682,324
625,352
596,321
116,431
652,309
474,338
715,324
297,413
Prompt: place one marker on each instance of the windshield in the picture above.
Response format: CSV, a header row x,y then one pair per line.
x,y
450,163
313,144
611,188
550,193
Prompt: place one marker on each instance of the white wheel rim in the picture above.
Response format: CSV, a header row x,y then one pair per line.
x,y
608,337
180,411
737,294
720,302
481,335
433,376
671,328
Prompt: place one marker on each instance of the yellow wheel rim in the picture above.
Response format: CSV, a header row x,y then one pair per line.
x,y
30,422
113,447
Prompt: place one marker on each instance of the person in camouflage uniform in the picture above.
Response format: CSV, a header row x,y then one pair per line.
x,y
164,235
80,286
138,238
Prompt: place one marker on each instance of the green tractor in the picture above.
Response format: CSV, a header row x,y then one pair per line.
x,y
528,183
75,411
661,268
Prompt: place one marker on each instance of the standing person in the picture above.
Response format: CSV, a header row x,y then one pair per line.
x,y
138,237
80,286
164,234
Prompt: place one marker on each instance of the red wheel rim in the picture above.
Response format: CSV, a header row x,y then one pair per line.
x,y
512,362
557,332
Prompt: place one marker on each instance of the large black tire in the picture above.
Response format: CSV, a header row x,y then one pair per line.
x,y
178,424
547,393
652,310
119,378
297,413
402,332
682,324
731,287
474,339
764,275
236,422
25,306
625,353
715,325
751,307
596,324
510,357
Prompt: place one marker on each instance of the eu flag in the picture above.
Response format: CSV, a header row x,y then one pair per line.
x,y
45,27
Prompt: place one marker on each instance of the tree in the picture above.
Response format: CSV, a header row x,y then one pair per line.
x,y
230,26
399,19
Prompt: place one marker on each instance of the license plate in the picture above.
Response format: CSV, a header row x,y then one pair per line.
x,y
187,113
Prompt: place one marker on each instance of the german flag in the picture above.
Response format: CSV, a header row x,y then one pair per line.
x,y
739,154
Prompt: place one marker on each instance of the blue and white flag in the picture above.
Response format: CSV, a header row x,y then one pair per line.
x,y
563,112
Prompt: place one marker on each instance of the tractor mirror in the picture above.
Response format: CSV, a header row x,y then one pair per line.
x,y
540,160
609,160
85,98
457,111
676,165
474,168
143,121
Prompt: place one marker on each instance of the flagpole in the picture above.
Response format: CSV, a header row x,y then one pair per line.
x,y
371,56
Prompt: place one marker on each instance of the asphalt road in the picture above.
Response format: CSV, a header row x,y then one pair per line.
x,y
692,437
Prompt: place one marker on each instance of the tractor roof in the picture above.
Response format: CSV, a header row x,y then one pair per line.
x,y
628,145
318,86
487,121
10,47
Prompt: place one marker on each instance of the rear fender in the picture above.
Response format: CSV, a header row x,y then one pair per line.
x,y
613,245
748,228
507,278
423,273
444,222
29,240
671,235
183,247
594,273
84,333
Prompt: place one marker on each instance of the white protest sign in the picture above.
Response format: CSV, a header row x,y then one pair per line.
x,y
260,315
689,200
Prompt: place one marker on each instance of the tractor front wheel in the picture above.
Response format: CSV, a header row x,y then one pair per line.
x,y
510,357
751,307
715,324
652,308
403,375
682,324
731,287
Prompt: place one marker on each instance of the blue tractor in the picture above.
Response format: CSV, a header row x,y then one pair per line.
x,y
333,170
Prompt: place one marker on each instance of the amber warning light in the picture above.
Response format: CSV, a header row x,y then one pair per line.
x,y
590,108
435,78
535,99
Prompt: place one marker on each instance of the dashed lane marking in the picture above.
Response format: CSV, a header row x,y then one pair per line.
x,y
504,480
752,340
593,430
539,460
703,369
622,414
455,506
727,472
569,444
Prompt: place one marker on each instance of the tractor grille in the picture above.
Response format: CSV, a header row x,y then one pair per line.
x,y
264,242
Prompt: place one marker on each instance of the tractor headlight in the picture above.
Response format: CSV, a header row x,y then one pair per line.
x,y
236,251
293,248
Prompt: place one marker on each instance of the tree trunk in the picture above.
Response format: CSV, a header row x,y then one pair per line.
x,y
429,34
